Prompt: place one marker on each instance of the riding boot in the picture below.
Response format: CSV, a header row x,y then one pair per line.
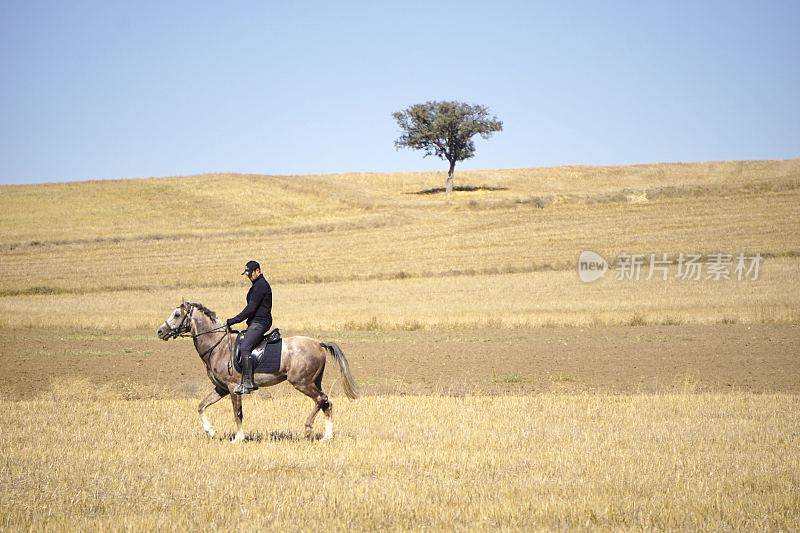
x,y
247,385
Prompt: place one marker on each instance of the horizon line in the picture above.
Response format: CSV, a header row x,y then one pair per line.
x,y
57,181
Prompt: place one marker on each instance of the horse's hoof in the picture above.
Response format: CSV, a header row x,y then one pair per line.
x,y
211,433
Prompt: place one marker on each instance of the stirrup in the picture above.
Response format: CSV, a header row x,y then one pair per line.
x,y
242,389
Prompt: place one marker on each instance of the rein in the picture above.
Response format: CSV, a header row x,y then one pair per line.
x,y
215,344
183,330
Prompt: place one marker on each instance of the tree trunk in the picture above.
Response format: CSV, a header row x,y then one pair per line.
x,y
449,186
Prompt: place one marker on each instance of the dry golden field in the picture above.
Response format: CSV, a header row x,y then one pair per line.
x,y
362,249
685,461
500,391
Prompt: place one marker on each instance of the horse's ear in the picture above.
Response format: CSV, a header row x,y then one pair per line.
x,y
183,302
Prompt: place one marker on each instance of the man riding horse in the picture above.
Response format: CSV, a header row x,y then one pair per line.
x,y
258,314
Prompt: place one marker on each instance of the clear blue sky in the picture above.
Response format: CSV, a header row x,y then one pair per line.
x,y
105,89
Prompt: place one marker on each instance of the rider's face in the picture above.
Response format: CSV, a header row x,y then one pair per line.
x,y
254,274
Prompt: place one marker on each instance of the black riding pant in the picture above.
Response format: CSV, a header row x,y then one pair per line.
x,y
254,334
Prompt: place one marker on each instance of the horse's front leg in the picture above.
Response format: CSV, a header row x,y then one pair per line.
x,y
236,400
213,397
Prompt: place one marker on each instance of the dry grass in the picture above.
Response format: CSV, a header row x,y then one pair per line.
x,y
685,461
432,241
356,251
534,299
213,202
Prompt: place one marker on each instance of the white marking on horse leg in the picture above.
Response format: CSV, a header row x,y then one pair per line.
x,y
239,437
328,410
328,435
207,427
212,398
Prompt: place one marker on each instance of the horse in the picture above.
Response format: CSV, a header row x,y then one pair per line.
x,y
302,364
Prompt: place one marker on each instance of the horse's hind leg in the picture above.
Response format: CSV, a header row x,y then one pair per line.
x,y
212,397
314,391
310,421
327,408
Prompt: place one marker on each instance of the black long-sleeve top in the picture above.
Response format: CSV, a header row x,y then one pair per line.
x,y
259,304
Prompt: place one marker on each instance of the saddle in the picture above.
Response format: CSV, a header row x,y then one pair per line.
x,y
266,356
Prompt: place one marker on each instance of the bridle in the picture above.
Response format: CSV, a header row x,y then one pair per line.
x,y
184,330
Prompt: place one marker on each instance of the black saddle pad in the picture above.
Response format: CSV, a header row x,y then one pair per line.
x,y
266,356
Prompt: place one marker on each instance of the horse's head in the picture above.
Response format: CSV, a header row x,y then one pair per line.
x,y
177,322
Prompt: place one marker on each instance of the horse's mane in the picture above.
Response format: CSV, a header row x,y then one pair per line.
x,y
205,310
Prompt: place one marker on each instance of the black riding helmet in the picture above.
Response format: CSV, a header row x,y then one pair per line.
x,y
250,267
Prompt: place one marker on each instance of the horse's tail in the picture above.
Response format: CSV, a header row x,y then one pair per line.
x,y
349,383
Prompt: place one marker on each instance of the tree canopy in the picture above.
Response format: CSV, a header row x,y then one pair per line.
x,y
445,130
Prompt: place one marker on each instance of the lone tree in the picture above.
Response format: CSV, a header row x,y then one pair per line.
x,y
445,129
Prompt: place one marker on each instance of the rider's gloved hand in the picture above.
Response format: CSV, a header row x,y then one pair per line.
x,y
228,323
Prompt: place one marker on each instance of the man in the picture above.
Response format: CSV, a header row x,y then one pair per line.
x,y
258,314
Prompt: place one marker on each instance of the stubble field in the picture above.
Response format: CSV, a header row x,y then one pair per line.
x,y
685,461
499,390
